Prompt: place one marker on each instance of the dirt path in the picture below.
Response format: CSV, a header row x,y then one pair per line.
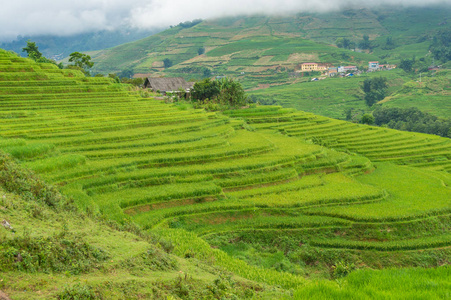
x,y
3,296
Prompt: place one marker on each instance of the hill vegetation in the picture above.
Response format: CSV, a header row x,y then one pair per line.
x,y
261,201
343,98
265,54
263,50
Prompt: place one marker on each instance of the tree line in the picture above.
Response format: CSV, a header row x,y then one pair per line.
x,y
80,61
218,94
412,119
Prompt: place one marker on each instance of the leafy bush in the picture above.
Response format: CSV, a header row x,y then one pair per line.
x,y
15,179
59,253
219,94
341,269
79,291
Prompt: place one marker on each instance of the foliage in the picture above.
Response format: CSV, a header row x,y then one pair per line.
x,y
412,119
34,54
205,89
79,291
189,24
60,253
367,119
167,63
374,89
365,43
342,268
32,50
224,91
207,72
139,82
201,50
81,60
441,45
127,73
16,179
407,64
345,43
389,43
231,93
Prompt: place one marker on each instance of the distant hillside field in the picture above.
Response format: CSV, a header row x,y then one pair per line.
x,y
265,54
264,50
254,202
333,97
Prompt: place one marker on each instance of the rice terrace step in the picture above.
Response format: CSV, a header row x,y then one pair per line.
x,y
291,187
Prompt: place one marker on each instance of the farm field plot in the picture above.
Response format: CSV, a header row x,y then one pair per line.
x,y
267,186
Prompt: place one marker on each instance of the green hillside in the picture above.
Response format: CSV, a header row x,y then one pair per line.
x,y
265,54
264,199
335,96
264,50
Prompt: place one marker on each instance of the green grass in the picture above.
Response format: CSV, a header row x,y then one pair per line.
x,y
65,253
331,97
280,192
410,283
430,195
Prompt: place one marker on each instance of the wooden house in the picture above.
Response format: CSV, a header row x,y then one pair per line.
x,y
168,85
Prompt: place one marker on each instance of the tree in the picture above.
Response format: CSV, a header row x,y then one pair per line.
x,y
127,73
344,43
201,50
225,91
32,50
407,64
374,89
33,53
367,119
441,45
189,24
389,44
205,89
167,63
365,42
83,61
207,72
231,93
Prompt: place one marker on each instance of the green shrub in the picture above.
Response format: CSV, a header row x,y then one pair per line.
x,y
79,291
18,180
59,253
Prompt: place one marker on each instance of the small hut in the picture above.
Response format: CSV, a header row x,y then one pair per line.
x,y
168,85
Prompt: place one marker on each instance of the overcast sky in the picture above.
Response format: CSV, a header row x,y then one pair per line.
x,y
66,17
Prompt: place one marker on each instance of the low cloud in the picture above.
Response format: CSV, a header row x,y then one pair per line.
x,y
64,17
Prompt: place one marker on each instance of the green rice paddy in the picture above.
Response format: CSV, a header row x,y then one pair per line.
x,y
203,180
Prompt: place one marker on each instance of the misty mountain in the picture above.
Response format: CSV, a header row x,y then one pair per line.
x,y
58,47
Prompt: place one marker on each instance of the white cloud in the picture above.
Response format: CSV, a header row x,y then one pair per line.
x,y
65,17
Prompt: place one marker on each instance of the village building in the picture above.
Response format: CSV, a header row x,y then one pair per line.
x,y
307,67
344,69
332,72
373,65
168,85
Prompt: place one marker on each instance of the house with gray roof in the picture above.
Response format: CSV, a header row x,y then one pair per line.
x,y
167,84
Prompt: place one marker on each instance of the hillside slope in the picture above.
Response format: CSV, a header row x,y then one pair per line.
x,y
269,194
260,46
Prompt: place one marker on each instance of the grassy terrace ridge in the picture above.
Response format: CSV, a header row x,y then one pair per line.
x,y
276,197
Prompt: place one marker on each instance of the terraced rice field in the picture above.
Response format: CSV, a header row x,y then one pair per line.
x,y
262,172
